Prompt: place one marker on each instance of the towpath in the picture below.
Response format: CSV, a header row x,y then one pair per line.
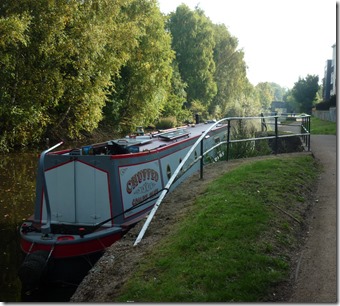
x,y
316,275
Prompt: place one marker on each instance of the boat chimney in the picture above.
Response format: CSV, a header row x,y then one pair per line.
x,y
197,118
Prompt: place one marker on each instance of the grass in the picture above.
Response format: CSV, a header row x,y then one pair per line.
x,y
322,127
236,244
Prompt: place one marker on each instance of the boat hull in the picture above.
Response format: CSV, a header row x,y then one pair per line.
x,y
64,246
60,262
86,199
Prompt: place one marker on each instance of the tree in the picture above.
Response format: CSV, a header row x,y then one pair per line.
x,y
266,95
305,91
278,91
230,74
91,47
292,105
59,59
68,65
18,122
141,89
193,42
175,105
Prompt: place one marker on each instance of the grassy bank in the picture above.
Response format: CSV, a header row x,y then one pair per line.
x,y
237,243
322,127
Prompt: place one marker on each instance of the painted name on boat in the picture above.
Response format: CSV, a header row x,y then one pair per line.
x,y
139,183
139,177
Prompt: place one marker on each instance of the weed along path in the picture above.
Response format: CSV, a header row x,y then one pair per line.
x,y
316,275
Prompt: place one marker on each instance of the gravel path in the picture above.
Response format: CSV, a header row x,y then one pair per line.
x,y
317,269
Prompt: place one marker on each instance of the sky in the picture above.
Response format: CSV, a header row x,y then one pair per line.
x,y
282,40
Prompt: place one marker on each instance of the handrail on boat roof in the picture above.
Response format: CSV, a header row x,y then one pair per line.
x,y
46,229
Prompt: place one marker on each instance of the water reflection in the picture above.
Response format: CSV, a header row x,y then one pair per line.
x,y
17,194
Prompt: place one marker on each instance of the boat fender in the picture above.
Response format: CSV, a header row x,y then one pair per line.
x,y
31,270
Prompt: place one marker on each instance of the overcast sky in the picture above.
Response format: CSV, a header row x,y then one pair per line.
x,y
282,40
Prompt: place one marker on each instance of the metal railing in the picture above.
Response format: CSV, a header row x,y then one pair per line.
x,y
300,128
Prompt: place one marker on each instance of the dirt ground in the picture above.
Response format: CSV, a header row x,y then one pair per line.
x,y
315,270
316,273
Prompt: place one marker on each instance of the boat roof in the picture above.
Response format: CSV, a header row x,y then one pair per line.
x,y
145,142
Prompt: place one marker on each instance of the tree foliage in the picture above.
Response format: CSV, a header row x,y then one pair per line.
x,y
60,58
278,91
230,74
193,42
175,105
305,91
68,66
142,86
13,37
266,95
58,78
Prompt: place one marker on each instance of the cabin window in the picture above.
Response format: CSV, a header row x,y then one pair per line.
x,y
168,171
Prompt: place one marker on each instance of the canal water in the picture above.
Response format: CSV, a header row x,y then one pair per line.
x,y
17,196
17,193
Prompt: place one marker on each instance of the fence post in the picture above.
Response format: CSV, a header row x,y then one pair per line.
x,y
309,133
306,128
263,123
276,136
303,131
201,161
228,140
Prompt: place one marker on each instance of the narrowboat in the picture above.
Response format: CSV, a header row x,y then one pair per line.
x,y
89,197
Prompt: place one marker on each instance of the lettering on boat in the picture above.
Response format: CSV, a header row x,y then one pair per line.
x,y
138,200
138,183
139,177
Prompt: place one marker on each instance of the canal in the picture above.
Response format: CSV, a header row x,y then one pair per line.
x,y
17,196
17,193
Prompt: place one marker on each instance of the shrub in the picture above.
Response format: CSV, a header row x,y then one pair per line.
x,y
326,104
244,130
166,123
287,144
